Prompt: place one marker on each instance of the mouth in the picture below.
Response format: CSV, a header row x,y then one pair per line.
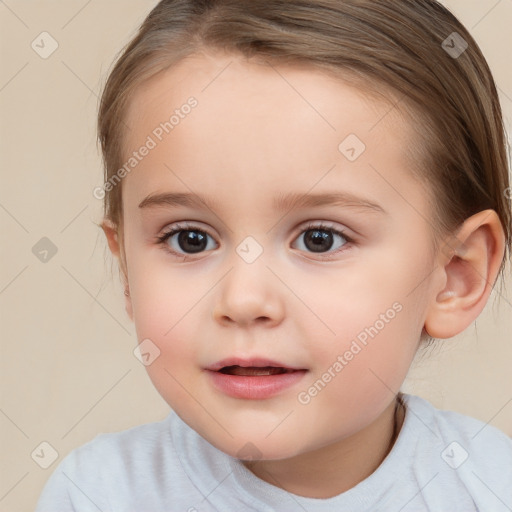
x,y
255,371
252,367
253,379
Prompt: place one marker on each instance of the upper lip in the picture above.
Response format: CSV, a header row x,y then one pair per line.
x,y
251,362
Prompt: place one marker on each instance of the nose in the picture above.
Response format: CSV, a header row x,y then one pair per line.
x,y
250,294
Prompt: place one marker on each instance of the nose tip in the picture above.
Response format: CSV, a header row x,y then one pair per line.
x,y
246,297
245,312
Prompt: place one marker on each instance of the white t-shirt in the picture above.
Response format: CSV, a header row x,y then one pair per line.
x,y
442,461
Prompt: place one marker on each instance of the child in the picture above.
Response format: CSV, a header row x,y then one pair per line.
x,y
256,131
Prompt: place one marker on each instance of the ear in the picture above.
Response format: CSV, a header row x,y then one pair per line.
x,y
115,244
469,268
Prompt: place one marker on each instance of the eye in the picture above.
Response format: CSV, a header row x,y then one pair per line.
x,y
320,238
184,240
189,239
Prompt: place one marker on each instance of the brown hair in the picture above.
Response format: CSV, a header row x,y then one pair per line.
x,y
398,46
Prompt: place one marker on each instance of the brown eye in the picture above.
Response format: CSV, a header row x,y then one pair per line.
x,y
192,241
184,240
318,240
322,239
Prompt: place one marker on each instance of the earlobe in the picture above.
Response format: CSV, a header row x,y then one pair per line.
x,y
128,302
468,275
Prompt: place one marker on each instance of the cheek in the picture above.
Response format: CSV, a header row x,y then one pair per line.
x,y
373,320
166,322
162,297
165,311
341,303
175,369
360,374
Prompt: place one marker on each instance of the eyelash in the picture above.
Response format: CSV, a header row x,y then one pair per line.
x,y
177,228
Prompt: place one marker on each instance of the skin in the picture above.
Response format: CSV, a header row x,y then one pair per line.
x,y
251,138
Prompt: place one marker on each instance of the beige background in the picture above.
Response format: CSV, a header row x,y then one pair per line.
x,y
67,367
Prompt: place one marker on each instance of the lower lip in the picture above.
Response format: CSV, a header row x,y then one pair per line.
x,y
254,387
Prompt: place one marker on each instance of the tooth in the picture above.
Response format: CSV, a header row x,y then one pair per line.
x,y
254,371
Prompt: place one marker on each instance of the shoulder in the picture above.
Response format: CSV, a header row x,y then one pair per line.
x,y
472,452
124,448
473,433
111,468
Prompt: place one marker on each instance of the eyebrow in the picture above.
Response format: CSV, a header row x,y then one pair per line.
x,y
283,202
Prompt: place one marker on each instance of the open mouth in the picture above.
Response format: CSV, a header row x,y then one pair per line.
x,y
254,371
257,378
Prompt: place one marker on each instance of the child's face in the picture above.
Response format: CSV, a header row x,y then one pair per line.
x,y
257,134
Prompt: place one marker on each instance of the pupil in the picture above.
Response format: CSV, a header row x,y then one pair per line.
x,y
320,240
192,241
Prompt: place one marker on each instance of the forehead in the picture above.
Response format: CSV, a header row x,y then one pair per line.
x,y
219,80
258,124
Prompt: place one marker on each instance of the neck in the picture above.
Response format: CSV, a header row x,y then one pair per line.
x,y
336,468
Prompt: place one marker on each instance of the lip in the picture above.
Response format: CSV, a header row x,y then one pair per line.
x,y
253,387
253,361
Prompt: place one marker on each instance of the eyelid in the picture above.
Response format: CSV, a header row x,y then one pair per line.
x,y
342,231
320,225
194,226
169,231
